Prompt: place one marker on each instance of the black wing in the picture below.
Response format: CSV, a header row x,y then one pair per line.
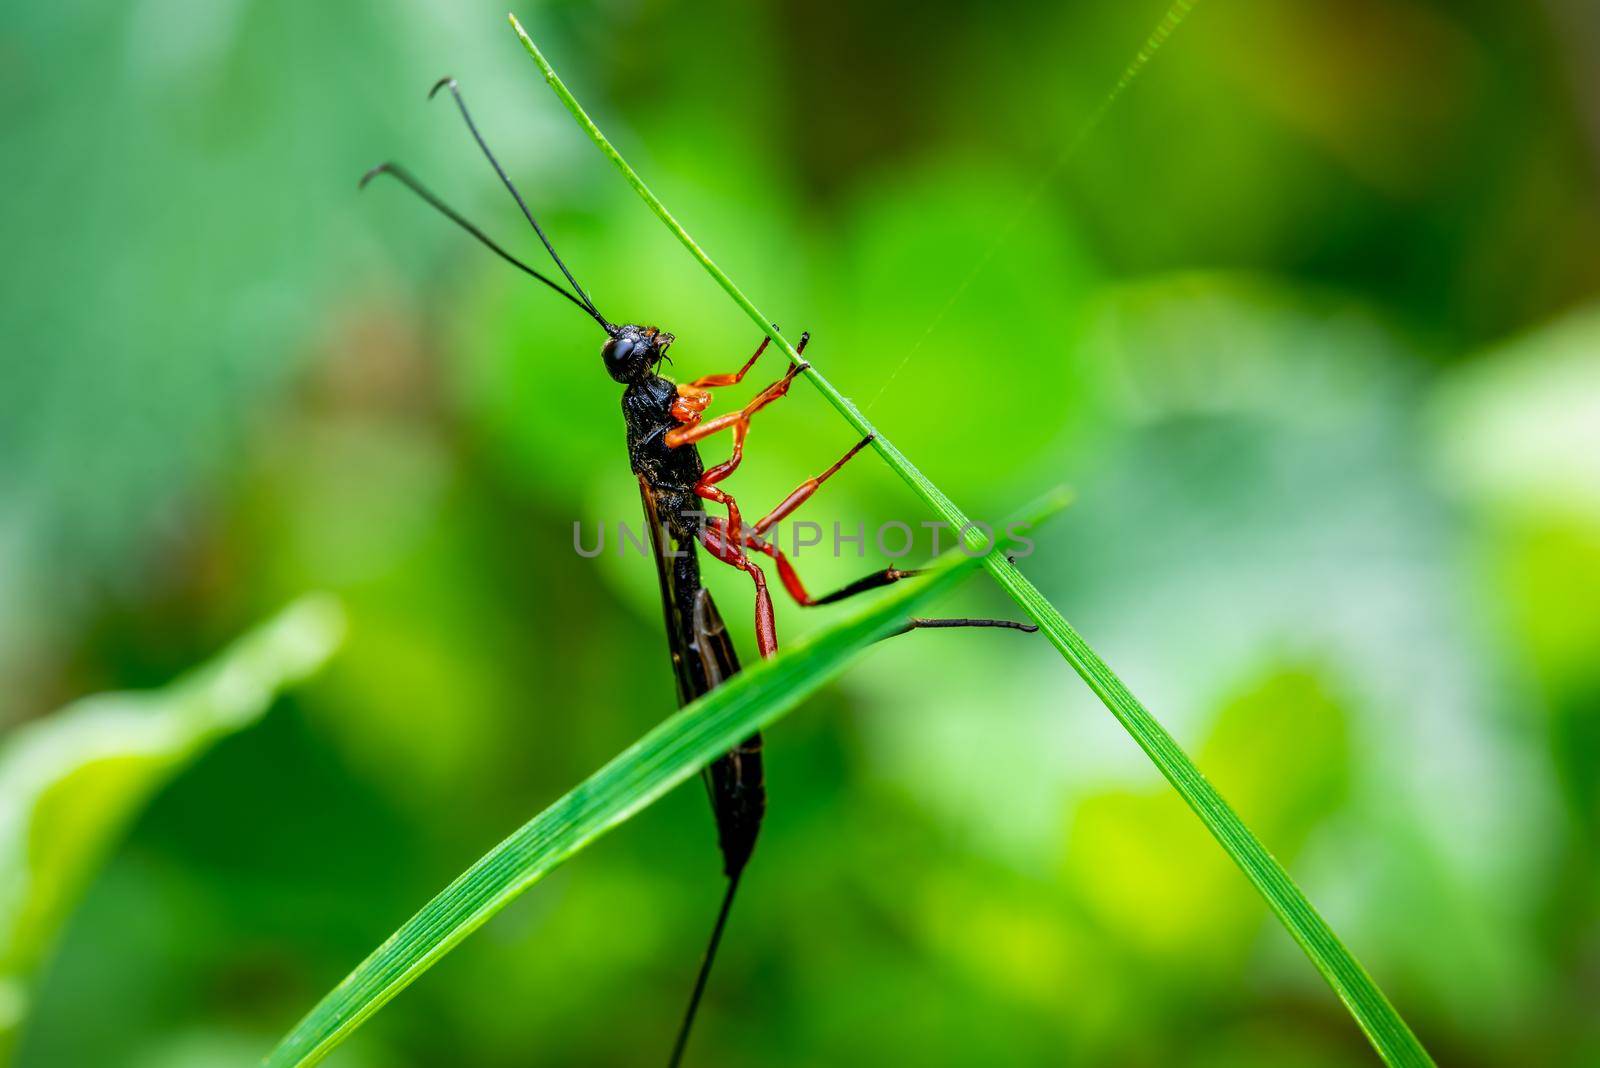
x,y
678,583
702,659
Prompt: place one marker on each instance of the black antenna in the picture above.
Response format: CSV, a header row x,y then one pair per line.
x,y
394,170
450,83
705,972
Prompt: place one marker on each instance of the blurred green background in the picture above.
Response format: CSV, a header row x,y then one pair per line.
x,y
1311,322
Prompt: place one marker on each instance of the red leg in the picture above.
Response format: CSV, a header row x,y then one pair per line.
x,y
791,578
803,492
727,467
714,537
797,590
706,488
724,498
740,422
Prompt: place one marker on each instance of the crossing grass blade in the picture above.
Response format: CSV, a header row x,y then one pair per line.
x,y
674,751
1372,1011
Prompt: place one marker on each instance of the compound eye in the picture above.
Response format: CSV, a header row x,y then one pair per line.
x,y
617,352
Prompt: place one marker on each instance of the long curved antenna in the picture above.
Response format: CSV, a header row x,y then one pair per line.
x,y
450,83
394,170
705,973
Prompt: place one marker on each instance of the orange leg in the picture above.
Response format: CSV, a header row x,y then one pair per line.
x,y
739,421
715,381
694,430
691,433
695,397
714,537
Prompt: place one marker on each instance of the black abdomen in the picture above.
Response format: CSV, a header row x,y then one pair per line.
x,y
702,654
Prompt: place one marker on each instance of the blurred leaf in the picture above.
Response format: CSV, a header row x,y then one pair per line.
x,y
1517,434
1520,428
933,309
1279,746
199,194
1342,75
71,782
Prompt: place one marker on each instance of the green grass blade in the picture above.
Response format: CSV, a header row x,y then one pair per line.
x,y
674,751
1372,1011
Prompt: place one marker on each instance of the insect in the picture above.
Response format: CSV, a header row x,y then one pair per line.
x,y
665,424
